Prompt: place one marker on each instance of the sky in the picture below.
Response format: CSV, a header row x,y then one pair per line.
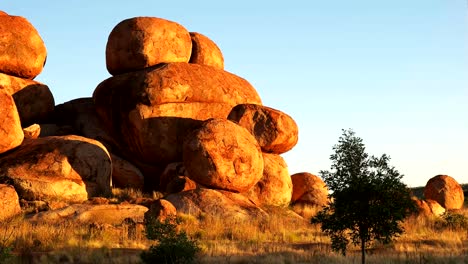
x,y
396,72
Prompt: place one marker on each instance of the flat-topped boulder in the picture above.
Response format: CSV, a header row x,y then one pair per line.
x,y
68,168
23,51
140,42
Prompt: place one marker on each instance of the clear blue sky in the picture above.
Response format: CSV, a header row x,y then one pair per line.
x,y
394,71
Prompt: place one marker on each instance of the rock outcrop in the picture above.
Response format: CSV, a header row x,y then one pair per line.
x,y
23,51
160,210
205,51
70,168
140,42
275,187
223,155
9,202
446,191
275,131
11,134
216,203
309,188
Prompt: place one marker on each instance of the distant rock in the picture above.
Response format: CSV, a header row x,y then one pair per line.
x,y
275,187
310,189
216,203
205,51
160,210
23,50
113,214
11,134
223,155
33,100
275,131
140,42
68,168
446,191
9,202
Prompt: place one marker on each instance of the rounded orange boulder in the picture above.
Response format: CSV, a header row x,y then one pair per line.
x,y
446,191
309,188
205,51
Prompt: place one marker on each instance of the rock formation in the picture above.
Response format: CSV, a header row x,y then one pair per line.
x,y
205,51
309,188
446,191
11,134
9,202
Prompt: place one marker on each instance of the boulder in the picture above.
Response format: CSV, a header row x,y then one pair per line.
x,y
309,189
23,52
125,174
80,114
275,186
435,207
113,214
446,191
223,155
422,209
171,172
160,210
205,51
68,168
180,184
34,100
141,42
149,112
11,134
3,13
275,131
32,131
216,203
9,202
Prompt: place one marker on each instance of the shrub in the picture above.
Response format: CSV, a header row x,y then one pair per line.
x,y
453,221
173,246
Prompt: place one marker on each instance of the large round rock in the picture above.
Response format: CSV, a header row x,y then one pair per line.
x,y
11,133
446,191
69,168
275,186
205,51
9,202
223,155
22,50
140,42
309,188
275,131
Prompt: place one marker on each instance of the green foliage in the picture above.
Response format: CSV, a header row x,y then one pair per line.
x,y
173,246
368,201
453,221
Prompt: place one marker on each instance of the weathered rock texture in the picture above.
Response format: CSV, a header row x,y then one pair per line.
x,y
160,210
205,51
33,99
23,53
149,112
216,203
11,134
141,42
125,174
275,131
9,202
435,207
275,186
70,168
223,155
113,214
446,191
32,131
309,189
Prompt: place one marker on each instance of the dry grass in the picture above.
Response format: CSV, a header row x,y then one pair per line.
x,y
282,238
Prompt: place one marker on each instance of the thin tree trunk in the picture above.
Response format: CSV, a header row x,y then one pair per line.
x,y
363,251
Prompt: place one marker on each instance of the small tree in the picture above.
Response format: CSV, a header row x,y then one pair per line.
x,y
368,201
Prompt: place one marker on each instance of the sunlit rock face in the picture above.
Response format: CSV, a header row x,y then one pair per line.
x,y
205,51
23,52
446,191
9,202
11,134
309,188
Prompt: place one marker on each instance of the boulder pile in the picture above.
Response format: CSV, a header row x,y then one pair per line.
x,y
446,191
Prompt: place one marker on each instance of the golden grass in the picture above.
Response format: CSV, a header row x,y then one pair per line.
x,y
281,238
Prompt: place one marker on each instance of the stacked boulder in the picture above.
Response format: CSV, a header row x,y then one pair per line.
x,y
59,168
174,112
445,191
